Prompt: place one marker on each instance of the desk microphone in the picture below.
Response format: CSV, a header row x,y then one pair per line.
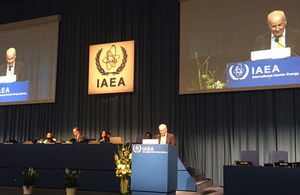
x,y
277,41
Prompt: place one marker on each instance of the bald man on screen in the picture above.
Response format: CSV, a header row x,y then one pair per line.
x,y
13,67
279,36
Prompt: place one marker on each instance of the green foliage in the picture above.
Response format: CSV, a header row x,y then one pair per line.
x,y
206,77
123,170
123,161
30,178
71,179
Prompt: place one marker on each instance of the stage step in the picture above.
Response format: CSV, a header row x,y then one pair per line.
x,y
203,184
197,177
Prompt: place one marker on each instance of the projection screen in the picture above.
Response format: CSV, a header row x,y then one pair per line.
x,y
216,41
35,43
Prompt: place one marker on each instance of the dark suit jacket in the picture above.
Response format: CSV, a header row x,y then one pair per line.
x,y
292,38
81,138
19,71
170,139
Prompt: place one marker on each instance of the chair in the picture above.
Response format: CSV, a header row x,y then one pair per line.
x,y
251,156
139,138
276,156
116,140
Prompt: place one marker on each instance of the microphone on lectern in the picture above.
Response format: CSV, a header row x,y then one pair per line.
x,y
277,41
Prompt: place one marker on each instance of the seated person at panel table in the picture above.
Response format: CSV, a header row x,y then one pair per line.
x,y
50,138
77,137
104,138
108,134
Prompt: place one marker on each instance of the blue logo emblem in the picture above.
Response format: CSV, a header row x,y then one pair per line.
x,y
136,148
239,71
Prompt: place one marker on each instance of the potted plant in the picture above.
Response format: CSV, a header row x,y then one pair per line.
x,y
30,178
71,181
123,170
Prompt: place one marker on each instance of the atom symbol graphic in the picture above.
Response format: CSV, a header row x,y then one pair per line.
x,y
111,57
239,70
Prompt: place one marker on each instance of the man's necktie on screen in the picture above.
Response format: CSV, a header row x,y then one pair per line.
x,y
10,71
279,44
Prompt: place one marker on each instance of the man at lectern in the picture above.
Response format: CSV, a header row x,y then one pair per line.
x,y
164,137
280,36
13,67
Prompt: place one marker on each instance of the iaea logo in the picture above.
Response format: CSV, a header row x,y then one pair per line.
x,y
239,72
111,61
111,68
137,148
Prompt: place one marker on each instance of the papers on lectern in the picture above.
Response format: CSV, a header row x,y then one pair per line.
x,y
150,141
8,79
271,54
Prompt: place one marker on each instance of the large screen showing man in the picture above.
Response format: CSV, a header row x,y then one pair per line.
x,y
13,67
215,34
28,52
280,36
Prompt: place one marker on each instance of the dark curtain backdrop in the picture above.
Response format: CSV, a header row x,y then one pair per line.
x,y
211,129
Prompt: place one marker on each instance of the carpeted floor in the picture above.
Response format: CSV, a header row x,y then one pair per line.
x,y
39,191
4,190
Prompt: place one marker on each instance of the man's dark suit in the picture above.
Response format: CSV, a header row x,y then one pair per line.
x,y
81,138
292,38
170,139
19,71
